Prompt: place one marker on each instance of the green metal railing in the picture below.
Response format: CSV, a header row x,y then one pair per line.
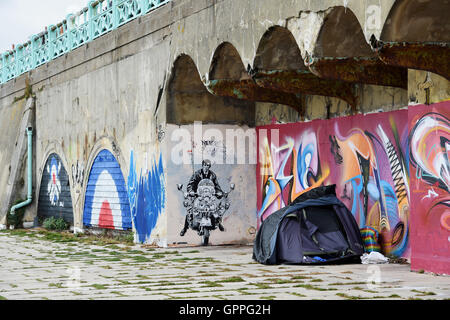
x,y
98,18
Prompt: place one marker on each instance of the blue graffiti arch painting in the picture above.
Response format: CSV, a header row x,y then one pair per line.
x,y
106,202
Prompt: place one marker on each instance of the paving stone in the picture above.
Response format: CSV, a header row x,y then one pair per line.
x,y
44,269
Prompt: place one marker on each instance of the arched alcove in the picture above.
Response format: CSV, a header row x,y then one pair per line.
x,y
106,203
341,36
278,50
342,53
418,21
54,191
227,64
189,100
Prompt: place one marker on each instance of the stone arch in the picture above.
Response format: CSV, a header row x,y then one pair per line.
x,y
416,35
342,53
341,35
278,50
226,63
418,21
118,170
53,189
189,100
279,66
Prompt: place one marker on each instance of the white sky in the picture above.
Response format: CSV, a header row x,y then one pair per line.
x,y
20,19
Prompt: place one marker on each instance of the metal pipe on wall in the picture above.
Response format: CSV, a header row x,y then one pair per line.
x,y
29,131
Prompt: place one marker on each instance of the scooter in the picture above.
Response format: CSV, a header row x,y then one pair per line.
x,y
205,208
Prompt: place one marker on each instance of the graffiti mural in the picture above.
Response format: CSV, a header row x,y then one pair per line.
x,y
205,202
429,153
363,155
106,202
289,170
147,197
54,194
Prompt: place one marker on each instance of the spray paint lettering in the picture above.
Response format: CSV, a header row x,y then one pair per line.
x,y
367,162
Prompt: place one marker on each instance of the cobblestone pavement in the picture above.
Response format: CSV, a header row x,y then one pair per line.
x,y
35,266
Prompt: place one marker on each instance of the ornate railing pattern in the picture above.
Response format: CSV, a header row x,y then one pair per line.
x,y
98,18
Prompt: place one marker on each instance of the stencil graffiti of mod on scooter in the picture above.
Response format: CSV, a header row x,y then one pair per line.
x,y
205,203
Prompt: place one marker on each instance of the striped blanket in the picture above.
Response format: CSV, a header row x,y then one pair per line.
x,y
370,239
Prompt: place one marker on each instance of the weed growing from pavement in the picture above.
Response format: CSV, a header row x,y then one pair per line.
x,y
262,285
232,279
268,297
209,284
423,293
311,287
99,286
56,285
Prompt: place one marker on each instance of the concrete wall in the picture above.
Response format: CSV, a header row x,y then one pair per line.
x,y
230,148
129,90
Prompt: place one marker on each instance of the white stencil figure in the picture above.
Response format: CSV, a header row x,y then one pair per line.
x,y
54,185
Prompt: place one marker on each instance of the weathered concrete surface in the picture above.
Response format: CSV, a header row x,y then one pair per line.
x,y
37,269
113,93
216,143
13,123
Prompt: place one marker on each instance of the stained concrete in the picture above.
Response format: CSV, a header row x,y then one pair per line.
x,y
36,269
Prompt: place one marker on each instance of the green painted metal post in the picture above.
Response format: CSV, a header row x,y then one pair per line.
x,y
16,63
2,75
50,45
115,14
33,52
91,14
70,26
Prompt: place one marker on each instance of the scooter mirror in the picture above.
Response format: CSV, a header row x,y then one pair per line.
x,y
179,186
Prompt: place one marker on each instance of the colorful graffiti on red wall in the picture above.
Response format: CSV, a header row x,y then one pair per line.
x,y
429,141
366,156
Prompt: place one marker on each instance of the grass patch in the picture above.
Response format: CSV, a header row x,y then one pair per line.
x,y
232,279
346,283
3,298
297,294
141,259
56,285
280,281
267,297
262,285
209,284
349,297
99,286
423,293
300,277
311,287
